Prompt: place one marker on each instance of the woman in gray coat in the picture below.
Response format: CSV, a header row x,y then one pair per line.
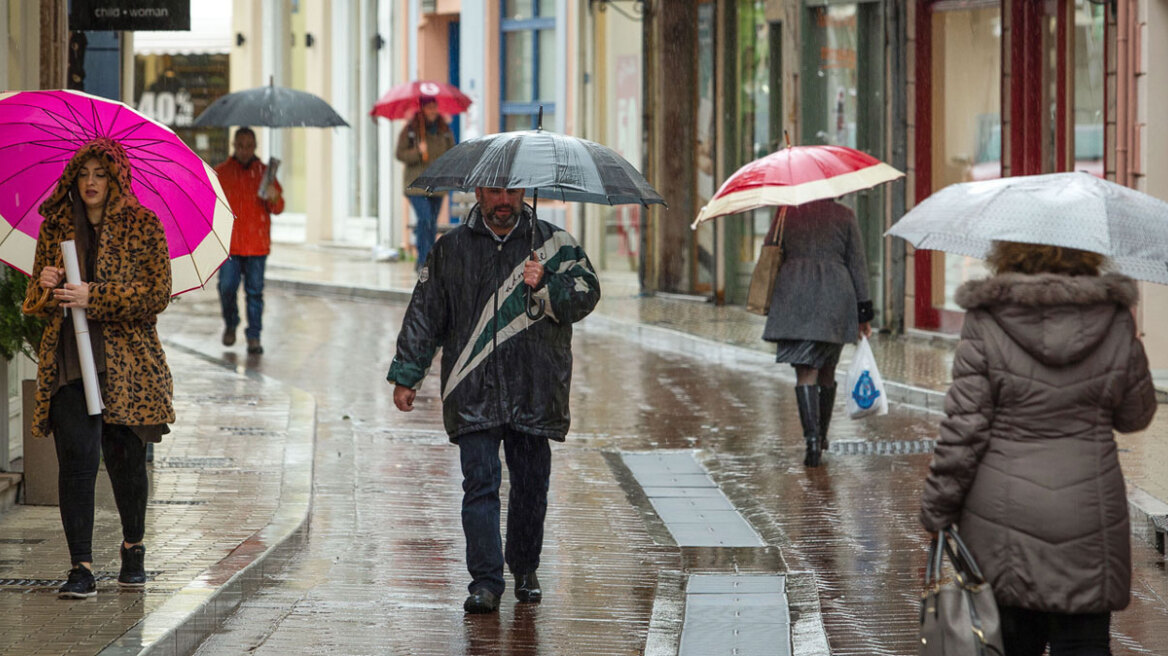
x,y
1048,366
820,303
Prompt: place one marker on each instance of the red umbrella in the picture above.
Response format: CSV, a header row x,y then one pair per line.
x,y
405,99
797,175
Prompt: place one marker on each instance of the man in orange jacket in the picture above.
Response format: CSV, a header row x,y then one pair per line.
x,y
251,237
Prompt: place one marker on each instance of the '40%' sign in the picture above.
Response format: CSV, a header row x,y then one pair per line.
x,y
168,107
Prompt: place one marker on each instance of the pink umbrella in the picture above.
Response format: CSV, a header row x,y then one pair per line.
x,y
41,130
794,176
405,99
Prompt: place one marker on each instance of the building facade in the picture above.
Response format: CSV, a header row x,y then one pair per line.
x,y
945,90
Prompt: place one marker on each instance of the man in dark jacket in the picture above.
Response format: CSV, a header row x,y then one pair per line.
x,y
505,376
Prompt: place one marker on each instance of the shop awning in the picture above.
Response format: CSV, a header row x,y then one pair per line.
x,y
210,33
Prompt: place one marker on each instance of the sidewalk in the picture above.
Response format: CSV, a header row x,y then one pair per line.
x,y
916,367
229,492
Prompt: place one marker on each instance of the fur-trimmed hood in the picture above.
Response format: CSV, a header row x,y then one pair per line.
x,y
113,159
1056,318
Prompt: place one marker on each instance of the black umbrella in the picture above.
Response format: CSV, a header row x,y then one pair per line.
x,y
271,106
554,165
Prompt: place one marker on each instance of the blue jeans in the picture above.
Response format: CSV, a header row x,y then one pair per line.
x,y
251,269
426,228
529,461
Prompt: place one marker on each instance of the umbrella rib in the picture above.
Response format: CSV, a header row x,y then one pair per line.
x,y
68,128
183,191
152,171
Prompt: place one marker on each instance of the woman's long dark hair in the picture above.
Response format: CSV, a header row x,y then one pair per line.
x,y
81,229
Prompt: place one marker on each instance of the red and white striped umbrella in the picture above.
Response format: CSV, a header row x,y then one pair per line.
x,y
794,176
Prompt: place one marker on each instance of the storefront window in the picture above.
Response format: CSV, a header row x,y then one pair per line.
x,y
831,118
758,136
1088,34
174,89
967,127
706,155
529,70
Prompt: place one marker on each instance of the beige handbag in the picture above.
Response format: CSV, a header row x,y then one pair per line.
x,y
959,616
770,258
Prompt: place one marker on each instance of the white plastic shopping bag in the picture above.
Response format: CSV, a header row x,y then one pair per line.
x,y
866,395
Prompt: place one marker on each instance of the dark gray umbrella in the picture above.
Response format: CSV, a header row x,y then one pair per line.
x,y
271,106
549,164
554,165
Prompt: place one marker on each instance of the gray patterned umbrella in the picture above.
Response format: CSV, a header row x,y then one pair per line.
x,y
1073,210
557,166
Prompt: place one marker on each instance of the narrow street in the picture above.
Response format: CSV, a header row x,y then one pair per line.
x,y
383,569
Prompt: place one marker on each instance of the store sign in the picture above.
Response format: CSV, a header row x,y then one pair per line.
x,y
169,108
130,15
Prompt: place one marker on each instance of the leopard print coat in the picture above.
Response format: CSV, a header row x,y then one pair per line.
x,y
131,286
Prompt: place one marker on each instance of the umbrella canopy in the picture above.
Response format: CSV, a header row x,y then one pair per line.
x,y
551,165
404,99
1073,210
41,130
273,107
797,175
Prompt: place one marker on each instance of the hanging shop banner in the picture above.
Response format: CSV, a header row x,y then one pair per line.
x,y
130,15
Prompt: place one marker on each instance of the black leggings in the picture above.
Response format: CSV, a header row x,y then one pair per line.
x,y
81,441
1027,632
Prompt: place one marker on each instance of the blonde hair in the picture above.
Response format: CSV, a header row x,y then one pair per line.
x,y
1016,257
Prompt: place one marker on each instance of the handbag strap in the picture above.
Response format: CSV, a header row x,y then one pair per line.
x,y
962,560
949,543
777,224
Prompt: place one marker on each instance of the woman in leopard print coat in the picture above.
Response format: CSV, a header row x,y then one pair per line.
x,y
124,258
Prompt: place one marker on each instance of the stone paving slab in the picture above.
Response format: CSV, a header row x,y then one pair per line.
x,y
226,489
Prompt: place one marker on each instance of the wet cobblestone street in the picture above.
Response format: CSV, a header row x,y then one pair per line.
x,y
383,568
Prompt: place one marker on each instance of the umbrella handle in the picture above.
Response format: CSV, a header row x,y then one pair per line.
x,y
35,306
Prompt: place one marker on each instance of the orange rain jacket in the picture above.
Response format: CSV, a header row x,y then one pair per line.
x,y
252,231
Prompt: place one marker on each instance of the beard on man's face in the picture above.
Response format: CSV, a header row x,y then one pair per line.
x,y
506,219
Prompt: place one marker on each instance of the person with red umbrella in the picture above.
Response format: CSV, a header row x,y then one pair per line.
x,y
820,299
423,139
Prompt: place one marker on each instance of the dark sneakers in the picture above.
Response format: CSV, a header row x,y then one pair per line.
x,y
527,588
228,336
254,347
481,600
133,573
80,585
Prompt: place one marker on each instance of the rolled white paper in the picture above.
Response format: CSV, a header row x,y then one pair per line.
x,y
81,329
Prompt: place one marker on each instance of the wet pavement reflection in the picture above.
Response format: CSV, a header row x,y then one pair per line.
x,y
383,568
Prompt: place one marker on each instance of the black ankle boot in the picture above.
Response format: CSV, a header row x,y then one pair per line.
x,y
807,396
826,403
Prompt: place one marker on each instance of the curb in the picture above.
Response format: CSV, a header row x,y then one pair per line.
x,y
194,612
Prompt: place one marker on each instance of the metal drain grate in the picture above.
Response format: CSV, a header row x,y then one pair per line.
x,y
176,502
882,448
233,399
251,431
99,576
195,462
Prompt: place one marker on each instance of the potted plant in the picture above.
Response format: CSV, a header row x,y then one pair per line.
x,y
21,334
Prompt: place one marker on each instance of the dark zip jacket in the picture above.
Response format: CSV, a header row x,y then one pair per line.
x,y
498,366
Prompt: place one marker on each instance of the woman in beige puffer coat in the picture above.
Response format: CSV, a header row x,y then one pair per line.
x,y
1048,366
